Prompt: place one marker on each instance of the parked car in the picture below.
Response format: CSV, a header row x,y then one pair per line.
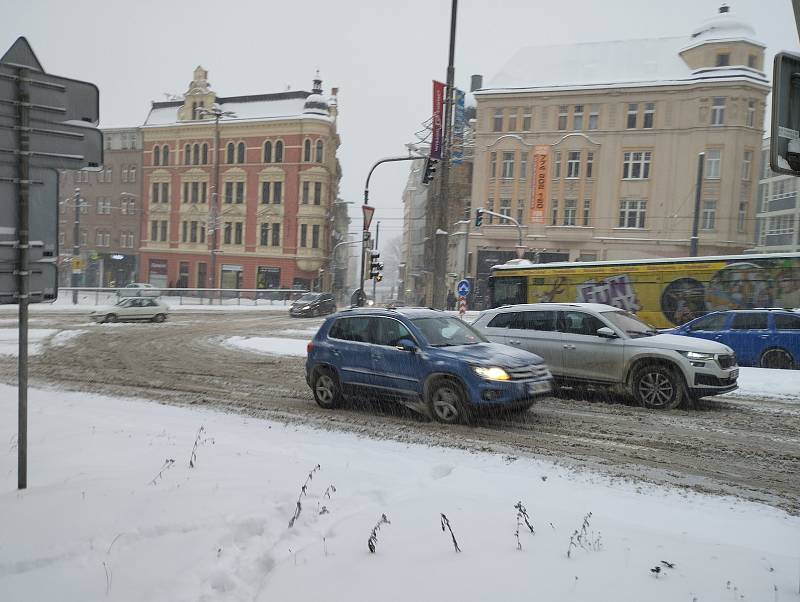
x,y
132,309
768,338
600,345
423,358
313,304
139,289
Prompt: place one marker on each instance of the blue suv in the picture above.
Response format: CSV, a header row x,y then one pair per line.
x,y
768,338
422,358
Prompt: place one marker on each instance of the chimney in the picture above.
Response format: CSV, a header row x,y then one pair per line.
x,y
475,82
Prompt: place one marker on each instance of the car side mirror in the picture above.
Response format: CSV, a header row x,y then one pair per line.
x,y
407,345
606,333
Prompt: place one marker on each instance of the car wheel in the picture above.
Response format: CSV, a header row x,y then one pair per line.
x,y
327,392
446,401
776,358
657,387
159,318
111,318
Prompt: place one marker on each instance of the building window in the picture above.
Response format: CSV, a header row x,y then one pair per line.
x,y
632,214
193,232
723,59
570,210
277,193
718,111
315,236
165,155
713,160
157,155
557,164
507,167
523,165
520,210
276,235
505,207
307,150
239,193
228,192
132,174
230,152
164,225
750,114
195,192
594,116
554,212
203,192
709,215
268,152
490,207
573,164
196,155
589,164
512,119
187,155
527,118
649,115
84,238
747,163
240,153
305,193
577,118
279,152
317,193
265,193
636,165
303,235
264,235
498,120
153,230
204,158
587,209
741,221
238,227
318,151
633,112
780,224
227,231
493,165
751,61
562,117
184,231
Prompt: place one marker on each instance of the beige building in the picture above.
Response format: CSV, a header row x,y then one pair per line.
x,y
595,147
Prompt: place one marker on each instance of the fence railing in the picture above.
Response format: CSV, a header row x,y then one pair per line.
x,y
181,296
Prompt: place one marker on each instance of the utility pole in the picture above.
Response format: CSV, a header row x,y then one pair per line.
x,y
697,194
441,213
466,250
374,280
76,245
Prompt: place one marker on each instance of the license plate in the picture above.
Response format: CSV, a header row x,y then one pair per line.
x,y
538,387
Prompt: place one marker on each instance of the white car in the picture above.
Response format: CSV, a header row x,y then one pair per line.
x,y
139,289
132,309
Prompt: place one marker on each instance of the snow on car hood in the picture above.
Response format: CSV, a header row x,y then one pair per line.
x,y
491,354
679,343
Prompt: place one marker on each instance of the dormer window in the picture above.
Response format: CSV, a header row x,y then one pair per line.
x,y
751,61
723,59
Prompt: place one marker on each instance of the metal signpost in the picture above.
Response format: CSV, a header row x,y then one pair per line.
x,y
463,290
47,122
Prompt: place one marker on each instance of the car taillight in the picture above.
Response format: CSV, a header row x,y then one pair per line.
x,y
310,346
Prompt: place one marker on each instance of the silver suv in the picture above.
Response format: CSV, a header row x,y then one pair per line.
x,y
591,343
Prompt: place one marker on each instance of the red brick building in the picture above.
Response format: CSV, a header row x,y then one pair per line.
x,y
278,178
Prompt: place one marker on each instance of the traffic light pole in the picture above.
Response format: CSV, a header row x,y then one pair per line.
x,y
375,280
76,245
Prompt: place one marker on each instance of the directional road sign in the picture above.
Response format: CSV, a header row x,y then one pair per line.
x,y
56,145
463,288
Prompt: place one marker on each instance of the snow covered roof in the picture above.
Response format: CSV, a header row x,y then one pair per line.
x,y
283,105
621,63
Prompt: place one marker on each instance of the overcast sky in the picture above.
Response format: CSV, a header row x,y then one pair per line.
x,y
381,54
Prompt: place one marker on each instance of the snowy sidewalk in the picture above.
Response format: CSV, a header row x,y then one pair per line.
x,y
114,511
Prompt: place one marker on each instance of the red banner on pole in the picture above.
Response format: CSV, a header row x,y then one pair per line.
x,y
438,118
368,212
541,183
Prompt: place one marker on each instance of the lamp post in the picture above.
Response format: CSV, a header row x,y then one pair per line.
x,y
217,113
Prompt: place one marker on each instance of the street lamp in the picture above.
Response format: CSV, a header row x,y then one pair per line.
x,y
217,113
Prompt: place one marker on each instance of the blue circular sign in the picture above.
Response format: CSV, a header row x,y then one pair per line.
x,y
463,288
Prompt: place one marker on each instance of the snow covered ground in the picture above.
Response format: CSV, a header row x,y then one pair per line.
x,y
37,337
764,383
270,345
109,515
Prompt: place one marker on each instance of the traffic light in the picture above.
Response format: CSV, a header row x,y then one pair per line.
x,y
478,217
375,266
430,169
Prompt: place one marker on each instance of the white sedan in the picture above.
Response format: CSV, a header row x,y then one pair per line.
x,y
131,309
139,289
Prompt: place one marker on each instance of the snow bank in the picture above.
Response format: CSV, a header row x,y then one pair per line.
x,y
764,383
270,345
107,516
9,340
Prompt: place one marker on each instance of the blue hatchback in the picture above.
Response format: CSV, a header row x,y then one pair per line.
x,y
422,358
769,338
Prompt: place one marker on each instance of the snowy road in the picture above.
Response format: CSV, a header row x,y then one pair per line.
x,y
740,445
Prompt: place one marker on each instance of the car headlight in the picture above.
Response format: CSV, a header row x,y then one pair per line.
x,y
306,307
491,373
696,355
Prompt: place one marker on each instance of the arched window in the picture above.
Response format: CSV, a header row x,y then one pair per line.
x,y
307,150
187,155
230,152
196,158
279,152
319,151
240,153
204,160
157,155
165,155
268,152
194,110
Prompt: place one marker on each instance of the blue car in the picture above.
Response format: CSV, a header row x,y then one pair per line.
x,y
422,358
768,338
